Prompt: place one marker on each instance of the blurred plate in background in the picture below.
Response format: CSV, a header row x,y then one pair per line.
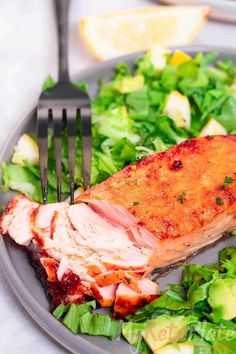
x,y
222,10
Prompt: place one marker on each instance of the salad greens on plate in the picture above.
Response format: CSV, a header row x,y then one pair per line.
x,y
165,99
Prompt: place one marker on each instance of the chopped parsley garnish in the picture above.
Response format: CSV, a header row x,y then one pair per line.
x,y
128,280
219,201
133,182
135,203
181,197
227,182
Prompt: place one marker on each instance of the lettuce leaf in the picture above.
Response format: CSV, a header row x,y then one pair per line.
x,y
81,319
227,257
228,115
99,325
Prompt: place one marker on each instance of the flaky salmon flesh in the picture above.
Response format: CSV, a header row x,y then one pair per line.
x,y
150,215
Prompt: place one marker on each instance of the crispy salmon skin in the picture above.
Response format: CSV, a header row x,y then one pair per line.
x,y
150,215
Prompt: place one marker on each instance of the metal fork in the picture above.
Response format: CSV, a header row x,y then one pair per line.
x,y
63,102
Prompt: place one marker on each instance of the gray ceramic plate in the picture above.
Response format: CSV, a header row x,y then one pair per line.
x,y
222,10
15,264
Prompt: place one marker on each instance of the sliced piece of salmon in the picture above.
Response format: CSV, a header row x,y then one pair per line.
x,y
149,215
15,220
41,218
128,301
104,295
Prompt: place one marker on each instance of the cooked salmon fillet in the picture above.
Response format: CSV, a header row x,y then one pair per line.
x,y
149,215
178,196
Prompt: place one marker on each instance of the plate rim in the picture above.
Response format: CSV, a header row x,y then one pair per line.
x,y
46,321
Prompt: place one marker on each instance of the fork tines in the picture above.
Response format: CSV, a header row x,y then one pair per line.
x,y
59,111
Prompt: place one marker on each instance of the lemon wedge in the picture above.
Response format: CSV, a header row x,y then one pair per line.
x,y
177,107
114,34
213,128
26,150
179,348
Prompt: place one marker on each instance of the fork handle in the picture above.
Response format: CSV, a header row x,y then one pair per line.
x,y
62,7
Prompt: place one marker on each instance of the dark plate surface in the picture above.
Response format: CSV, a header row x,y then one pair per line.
x,y
14,262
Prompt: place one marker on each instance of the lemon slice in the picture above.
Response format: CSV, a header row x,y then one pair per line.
x,y
26,150
129,31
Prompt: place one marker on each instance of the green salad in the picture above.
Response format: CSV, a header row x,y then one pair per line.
x,y
165,99
197,316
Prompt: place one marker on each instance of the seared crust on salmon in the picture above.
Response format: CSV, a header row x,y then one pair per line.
x,y
176,191
150,215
